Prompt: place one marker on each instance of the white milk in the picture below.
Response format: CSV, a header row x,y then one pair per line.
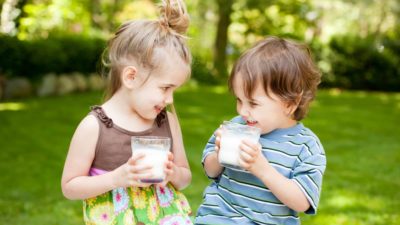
x,y
229,149
157,159
229,152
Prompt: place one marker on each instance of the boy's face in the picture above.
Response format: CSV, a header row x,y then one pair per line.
x,y
265,112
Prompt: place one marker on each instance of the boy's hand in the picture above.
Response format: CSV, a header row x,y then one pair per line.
x,y
218,139
251,158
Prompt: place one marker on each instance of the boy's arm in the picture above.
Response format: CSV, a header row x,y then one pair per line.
x,y
286,190
210,161
290,192
211,165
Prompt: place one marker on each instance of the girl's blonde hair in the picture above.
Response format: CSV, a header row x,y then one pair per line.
x,y
136,41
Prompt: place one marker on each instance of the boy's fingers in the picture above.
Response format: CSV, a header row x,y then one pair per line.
x,y
216,148
217,140
251,143
247,157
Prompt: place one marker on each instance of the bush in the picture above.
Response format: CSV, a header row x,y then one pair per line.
x,y
201,73
12,54
58,54
365,63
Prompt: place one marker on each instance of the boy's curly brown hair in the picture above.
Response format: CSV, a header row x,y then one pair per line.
x,y
283,67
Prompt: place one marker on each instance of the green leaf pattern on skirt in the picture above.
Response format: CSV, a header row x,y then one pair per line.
x,y
141,206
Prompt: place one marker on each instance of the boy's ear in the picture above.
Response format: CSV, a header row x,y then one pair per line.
x,y
291,107
128,76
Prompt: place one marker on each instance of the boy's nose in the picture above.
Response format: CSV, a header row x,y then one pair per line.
x,y
244,112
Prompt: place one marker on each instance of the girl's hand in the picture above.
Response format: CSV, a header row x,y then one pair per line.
x,y
169,170
251,158
131,172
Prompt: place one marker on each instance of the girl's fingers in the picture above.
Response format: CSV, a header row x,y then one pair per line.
x,y
141,176
140,168
170,156
135,157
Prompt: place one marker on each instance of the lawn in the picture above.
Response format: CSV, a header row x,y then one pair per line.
x,y
359,130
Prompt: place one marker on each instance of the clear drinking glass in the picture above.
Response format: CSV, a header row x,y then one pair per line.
x,y
156,150
231,136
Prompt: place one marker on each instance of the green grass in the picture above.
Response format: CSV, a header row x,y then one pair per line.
x,y
359,130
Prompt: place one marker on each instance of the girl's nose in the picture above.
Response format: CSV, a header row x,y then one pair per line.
x,y
169,99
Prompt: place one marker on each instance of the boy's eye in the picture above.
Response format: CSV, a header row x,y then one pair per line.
x,y
164,88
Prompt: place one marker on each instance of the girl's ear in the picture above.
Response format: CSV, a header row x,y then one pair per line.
x,y
128,76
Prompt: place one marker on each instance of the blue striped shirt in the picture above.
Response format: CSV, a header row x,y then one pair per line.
x,y
238,197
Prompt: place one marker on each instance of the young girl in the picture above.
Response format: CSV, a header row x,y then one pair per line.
x,y
147,61
273,82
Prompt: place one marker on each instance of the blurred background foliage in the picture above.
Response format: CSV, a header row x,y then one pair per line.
x,y
355,43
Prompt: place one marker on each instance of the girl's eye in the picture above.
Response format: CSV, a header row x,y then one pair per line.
x,y
238,100
253,104
164,88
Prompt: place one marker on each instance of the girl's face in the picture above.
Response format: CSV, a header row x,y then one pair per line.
x,y
265,112
152,96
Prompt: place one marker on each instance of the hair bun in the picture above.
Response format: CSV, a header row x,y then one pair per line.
x,y
174,15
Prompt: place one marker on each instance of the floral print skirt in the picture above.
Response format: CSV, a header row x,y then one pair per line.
x,y
141,206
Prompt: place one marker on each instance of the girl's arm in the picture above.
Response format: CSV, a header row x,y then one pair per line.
x,y
182,176
286,190
76,182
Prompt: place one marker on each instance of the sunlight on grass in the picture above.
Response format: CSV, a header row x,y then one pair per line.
x,y
219,89
361,94
12,106
348,200
384,97
352,219
335,92
315,103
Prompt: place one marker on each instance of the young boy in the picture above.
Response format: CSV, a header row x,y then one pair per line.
x,y
273,82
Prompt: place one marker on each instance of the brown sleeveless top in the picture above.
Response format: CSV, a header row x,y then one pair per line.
x,y
113,147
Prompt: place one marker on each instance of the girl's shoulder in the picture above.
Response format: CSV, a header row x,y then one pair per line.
x,y
89,125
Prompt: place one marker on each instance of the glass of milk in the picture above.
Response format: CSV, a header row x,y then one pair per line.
x,y
156,150
231,136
